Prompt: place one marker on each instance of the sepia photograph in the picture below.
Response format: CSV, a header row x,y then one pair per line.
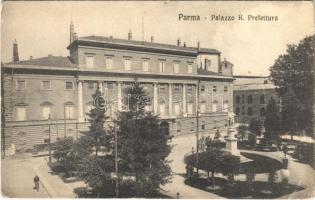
x,y
158,99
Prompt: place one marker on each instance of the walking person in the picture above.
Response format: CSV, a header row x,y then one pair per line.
x,y
36,183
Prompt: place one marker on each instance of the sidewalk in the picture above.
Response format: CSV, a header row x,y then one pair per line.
x,y
53,183
17,180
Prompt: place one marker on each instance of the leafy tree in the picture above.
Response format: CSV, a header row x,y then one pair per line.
x,y
272,120
65,154
293,73
242,130
94,149
255,126
252,138
142,146
211,161
230,166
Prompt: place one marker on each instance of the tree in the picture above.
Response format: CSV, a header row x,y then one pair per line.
x,y
255,126
65,154
142,146
94,149
272,120
242,130
211,162
230,166
293,73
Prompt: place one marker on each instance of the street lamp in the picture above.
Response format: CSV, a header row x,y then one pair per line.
x,y
116,161
49,145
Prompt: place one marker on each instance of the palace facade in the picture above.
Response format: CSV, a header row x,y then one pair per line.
x,y
179,79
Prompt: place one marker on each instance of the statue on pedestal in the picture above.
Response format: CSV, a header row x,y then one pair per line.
x,y
231,141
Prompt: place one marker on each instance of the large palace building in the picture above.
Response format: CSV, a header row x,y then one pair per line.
x,y
51,96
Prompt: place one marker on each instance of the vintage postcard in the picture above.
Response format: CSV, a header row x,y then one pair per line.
x,y
157,99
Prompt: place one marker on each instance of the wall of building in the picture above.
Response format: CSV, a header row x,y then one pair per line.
x,y
26,136
256,106
214,64
34,95
118,57
226,69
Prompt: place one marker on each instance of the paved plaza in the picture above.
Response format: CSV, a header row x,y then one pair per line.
x,y
18,174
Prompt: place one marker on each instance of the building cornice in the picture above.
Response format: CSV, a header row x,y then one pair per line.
x,y
134,47
97,72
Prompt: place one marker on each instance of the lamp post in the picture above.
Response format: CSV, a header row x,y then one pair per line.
x,y
197,129
49,145
116,161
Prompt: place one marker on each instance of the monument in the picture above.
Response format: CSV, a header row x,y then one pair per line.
x,y
231,140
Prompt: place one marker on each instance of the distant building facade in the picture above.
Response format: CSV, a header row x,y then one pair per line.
x,y
62,88
251,95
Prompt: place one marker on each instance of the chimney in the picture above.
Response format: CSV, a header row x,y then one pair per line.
x,y
184,44
129,35
178,42
152,39
72,32
15,52
75,36
198,45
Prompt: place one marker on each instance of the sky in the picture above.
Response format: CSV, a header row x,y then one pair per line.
x,y
42,28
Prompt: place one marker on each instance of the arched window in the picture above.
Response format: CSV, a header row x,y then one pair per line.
x,y
237,111
262,112
262,99
20,110
249,99
164,128
249,111
225,106
69,110
162,106
214,106
238,99
46,109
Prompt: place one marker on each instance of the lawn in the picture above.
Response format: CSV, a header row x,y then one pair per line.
x,y
240,189
258,164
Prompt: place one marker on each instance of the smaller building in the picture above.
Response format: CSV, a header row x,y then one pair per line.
x,y
251,95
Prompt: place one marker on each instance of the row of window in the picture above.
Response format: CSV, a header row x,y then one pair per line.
x,y
249,111
239,100
69,85
90,63
46,112
69,110
177,108
45,85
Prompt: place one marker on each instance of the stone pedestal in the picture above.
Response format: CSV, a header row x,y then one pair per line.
x,y
231,142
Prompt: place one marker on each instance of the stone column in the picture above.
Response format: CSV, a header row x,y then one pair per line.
x,y
170,100
100,85
105,89
80,101
119,96
155,98
184,99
